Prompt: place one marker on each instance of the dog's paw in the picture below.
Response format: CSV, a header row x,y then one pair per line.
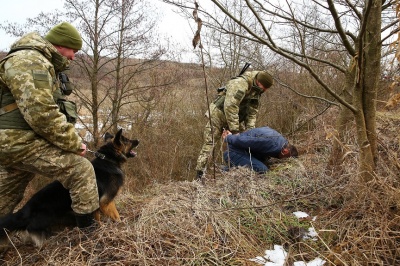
x,y
36,238
114,215
111,211
116,219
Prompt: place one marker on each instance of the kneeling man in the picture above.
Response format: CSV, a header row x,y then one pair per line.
x,y
252,147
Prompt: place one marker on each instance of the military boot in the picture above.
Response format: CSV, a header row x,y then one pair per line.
x,y
84,220
199,175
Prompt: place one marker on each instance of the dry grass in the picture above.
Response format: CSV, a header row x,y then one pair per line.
x,y
236,217
225,221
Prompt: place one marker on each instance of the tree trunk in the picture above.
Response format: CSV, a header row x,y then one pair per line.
x,y
365,91
373,47
344,122
363,78
366,157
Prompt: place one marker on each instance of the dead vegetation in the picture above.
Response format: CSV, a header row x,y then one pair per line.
x,y
238,215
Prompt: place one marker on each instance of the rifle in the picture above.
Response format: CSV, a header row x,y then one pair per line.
x,y
245,67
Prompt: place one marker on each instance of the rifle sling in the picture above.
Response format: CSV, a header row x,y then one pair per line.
x,y
8,108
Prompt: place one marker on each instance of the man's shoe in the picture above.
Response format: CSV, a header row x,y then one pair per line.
x,y
224,168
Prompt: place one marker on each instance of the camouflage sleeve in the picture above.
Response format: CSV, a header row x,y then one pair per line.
x,y
235,92
252,113
251,121
27,74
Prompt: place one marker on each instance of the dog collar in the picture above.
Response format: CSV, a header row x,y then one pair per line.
x,y
97,154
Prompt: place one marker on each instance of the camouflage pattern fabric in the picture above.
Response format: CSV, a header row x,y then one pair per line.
x,y
239,114
218,121
241,102
29,73
73,171
31,78
12,187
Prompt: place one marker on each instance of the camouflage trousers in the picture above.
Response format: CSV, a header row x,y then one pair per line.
x,y
218,122
75,172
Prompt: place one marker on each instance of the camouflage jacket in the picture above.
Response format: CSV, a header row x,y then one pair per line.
x,y
241,102
29,73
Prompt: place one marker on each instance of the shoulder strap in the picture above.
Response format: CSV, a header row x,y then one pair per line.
x,y
8,108
245,67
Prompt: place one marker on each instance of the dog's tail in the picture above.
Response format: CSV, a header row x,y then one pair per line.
x,y
20,221
11,223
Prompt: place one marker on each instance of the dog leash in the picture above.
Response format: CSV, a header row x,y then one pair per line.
x,y
97,154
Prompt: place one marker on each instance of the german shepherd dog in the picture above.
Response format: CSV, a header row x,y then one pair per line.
x,y
50,207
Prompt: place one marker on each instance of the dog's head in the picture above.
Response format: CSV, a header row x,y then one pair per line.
x,y
119,146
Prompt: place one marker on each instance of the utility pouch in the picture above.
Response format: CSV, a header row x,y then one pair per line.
x,y
219,102
68,108
254,101
65,84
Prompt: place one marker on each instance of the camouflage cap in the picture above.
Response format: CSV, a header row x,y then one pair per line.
x,y
265,79
66,35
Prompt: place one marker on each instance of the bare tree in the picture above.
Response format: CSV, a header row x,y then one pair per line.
x,y
120,53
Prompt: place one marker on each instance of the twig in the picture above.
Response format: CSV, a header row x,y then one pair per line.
x,y
197,41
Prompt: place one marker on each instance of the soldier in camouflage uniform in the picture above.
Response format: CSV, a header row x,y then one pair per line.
x,y
35,136
235,109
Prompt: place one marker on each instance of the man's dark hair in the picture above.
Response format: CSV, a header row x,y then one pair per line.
x,y
293,151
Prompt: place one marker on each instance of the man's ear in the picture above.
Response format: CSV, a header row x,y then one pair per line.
x,y
285,152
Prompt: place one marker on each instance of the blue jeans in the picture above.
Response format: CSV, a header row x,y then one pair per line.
x,y
236,158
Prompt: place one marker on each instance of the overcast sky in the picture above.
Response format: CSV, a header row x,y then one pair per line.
x,y
19,10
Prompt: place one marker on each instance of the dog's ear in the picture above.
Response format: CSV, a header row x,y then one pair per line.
x,y
108,136
118,136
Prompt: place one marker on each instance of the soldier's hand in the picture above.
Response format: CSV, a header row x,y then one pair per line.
x,y
226,133
83,149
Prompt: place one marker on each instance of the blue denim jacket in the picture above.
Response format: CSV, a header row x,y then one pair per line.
x,y
261,142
